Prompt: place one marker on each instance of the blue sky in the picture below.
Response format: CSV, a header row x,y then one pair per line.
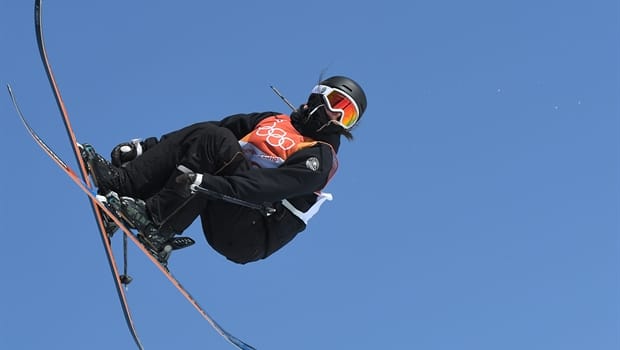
x,y
477,207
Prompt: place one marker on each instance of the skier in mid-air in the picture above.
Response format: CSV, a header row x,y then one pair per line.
x,y
266,158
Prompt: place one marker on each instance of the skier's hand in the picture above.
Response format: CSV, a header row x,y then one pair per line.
x,y
189,180
128,151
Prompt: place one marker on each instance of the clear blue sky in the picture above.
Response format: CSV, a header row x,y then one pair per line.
x,y
476,209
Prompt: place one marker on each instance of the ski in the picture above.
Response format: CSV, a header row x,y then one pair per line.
x,y
100,210
91,193
119,280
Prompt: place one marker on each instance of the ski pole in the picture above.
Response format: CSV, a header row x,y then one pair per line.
x,y
264,209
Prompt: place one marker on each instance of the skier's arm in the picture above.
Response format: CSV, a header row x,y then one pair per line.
x,y
243,124
299,175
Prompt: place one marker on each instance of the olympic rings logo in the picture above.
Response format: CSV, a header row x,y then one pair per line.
x,y
276,137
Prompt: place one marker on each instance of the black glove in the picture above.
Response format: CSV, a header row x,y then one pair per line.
x,y
189,179
128,151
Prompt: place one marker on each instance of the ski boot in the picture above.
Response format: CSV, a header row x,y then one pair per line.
x,y
137,212
181,242
106,176
160,244
153,244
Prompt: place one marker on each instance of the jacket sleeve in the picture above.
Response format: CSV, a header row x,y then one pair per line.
x,y
239,124
295,177
243,124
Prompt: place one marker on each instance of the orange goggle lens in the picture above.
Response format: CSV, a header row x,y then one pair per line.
x,y
338,101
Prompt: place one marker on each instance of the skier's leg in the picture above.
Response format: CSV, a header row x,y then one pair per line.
x,y
202,148
173,208
147,174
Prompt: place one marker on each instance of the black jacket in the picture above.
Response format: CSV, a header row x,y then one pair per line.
x,y
244,235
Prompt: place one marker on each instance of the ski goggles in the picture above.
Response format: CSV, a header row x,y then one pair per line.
x,y
338,101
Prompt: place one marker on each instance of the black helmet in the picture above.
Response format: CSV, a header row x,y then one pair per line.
x,y
313,121
350,87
